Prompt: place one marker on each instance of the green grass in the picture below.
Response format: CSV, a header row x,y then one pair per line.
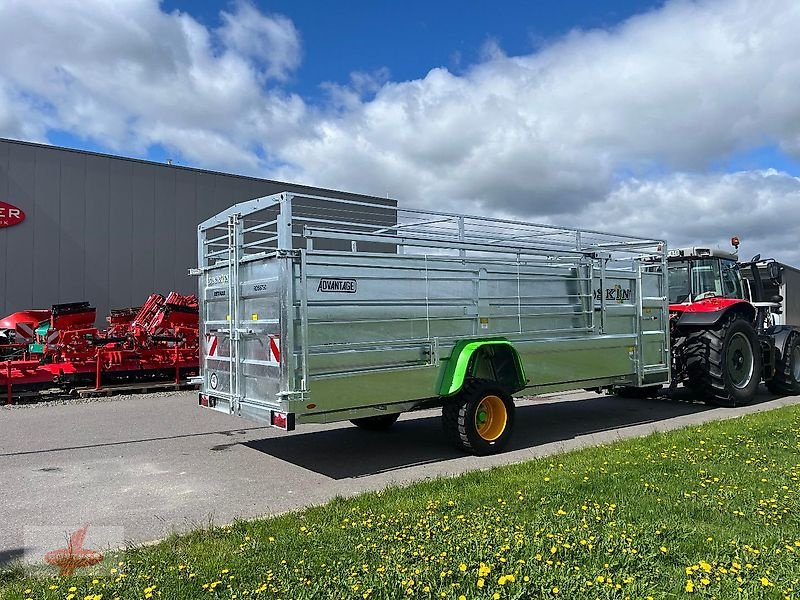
x,y
709,511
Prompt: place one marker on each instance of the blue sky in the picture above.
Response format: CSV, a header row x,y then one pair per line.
x,y
624,115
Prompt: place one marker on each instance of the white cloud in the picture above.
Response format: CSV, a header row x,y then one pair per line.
x,y
128,75
616,128
269,40
758,206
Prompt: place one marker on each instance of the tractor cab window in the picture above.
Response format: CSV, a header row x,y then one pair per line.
x,y
678,282
706,279
731,279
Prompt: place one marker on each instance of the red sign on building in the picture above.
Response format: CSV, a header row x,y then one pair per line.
x,y
10,215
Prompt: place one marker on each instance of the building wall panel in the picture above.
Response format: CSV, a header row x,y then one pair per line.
x,y
5,197
120,227
19,245
96,263
143,244
72,239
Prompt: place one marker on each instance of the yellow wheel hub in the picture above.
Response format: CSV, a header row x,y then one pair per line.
x,y
491,418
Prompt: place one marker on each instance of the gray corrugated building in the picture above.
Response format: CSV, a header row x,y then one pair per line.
x,y
106,229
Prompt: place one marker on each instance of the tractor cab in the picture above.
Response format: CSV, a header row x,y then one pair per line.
x,y
697,274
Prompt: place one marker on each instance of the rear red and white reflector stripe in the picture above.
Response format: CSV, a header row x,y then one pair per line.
x,y
274,349
51,337
211,343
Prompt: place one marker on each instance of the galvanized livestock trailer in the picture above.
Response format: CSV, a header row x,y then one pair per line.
x,y
315,310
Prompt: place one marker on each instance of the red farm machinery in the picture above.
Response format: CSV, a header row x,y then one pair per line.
x,y
724,342
62,349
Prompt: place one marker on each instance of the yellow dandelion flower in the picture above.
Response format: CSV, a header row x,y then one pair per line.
x,y
689,586
480,583
462,567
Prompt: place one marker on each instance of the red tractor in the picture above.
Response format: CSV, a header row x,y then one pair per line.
x,y
722,346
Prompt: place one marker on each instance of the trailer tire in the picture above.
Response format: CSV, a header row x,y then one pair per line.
x,y
787,369
376,423
724,363
480,419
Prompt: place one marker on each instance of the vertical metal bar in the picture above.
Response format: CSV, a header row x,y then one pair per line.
x,y
202,304
665,323
462,253
98,367
304,320
638,350
519,299
177,366
8,382
236,317
427,302
602,296
590,319
233,316
287,310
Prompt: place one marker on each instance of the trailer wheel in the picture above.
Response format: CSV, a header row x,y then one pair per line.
x,y
480,418
724,363
787,369
376,423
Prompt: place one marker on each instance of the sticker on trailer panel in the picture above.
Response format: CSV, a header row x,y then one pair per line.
x,y
274,351
213,381
337,285
616,294
212,341
484,322
217,279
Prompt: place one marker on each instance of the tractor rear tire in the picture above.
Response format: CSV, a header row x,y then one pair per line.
x,y
376,423
724,363
787,369
480,418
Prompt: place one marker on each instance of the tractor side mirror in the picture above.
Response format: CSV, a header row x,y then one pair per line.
x,y
756,258
775,272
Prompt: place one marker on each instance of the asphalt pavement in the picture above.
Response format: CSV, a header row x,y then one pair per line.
x,y
146,466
